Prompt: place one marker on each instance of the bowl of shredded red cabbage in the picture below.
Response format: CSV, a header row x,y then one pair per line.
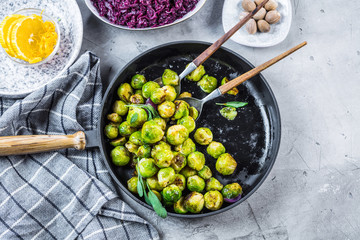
x,y
143,14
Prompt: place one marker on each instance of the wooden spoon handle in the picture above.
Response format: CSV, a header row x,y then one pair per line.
x,y
216,45
237,81
27,144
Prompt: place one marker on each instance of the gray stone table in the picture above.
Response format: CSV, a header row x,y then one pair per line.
x,y
313,191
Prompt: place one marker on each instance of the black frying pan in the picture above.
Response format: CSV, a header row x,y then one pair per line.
x,y
253,138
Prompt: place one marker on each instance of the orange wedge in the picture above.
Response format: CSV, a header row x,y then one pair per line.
x,y
4,31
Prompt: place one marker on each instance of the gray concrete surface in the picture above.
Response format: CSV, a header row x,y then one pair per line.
x,y
313,190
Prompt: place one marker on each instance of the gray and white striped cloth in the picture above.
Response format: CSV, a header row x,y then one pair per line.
x,y
67,194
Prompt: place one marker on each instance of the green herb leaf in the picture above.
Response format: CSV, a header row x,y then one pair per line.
x,y
140,184
147,200
233,104
156,204
152,111
134,118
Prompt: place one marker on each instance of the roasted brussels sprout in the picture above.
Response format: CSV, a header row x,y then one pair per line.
x,y
193,113
120,108
180,181
144,151
234,91
164,158
154,183
177,134
187,147
111,131
147,167
195,183
158,95
184,95
124,92
179,206
171,194
135,138
158,195
132,184
213,184
178,162
161,122
231,190
170,77
215,149
213,200
194,202
208,83
229,113
166,176
118,142
148,88
187,172
166,109
120,156
136,117
170,93
225,164
137,99
205,173
125,129
160,147
138,81
181,109
203,136
131,147
196,160
197,74
115,118
151,132
187,122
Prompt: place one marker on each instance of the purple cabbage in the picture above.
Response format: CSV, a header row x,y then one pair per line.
x,y
143,13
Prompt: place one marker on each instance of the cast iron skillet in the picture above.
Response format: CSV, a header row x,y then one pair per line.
x,y
253,138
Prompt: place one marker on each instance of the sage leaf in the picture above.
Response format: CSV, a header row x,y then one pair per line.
x,y
139,186
134,118
233,104
156,204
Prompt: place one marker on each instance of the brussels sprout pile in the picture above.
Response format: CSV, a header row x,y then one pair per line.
x,y
155,142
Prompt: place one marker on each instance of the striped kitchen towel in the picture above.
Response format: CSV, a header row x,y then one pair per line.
x,y
67,194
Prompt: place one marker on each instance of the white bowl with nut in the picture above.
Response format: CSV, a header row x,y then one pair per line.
x,y
268,27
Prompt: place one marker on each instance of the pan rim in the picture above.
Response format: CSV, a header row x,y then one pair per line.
x,y
276,141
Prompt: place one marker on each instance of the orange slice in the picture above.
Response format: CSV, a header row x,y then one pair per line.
x,y
28,37
25,38
4,31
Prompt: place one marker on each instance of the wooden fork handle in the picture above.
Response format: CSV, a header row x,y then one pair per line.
x,y
216,45
237,81
27,144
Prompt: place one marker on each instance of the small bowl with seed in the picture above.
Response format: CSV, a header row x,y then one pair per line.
x,y
268,27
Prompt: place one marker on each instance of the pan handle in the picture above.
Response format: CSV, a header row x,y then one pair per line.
x,y
27,144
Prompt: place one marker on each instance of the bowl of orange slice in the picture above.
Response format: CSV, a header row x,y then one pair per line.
x,y
29,36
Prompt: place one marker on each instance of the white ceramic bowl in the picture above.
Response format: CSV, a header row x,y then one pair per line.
x,y
18,80
198,6
278,31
